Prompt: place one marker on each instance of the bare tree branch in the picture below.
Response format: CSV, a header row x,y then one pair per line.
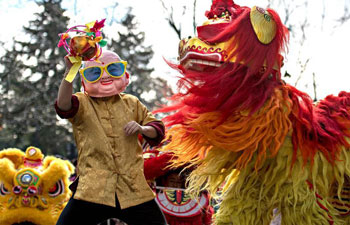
x,y
288,10
75,7
113,7
172,24
194,16
346,15
303,28
323,15
171,20
303,68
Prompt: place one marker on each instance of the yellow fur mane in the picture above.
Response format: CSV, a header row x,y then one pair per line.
x,y
30,170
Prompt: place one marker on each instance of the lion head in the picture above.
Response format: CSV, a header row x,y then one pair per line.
x,y
232,65
33,189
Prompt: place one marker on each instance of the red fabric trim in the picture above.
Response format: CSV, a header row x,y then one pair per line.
x,y
173,220
70,113
33,160
205,218
160,131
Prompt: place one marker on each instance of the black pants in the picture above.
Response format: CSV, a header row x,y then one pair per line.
x,y
79,212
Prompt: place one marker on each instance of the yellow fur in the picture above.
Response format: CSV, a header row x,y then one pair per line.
x,y
43,208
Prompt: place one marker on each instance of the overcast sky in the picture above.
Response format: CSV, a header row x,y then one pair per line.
x,y
326,47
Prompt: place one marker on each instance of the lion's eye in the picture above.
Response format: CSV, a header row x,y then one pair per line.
x,y
17,190
57,189
3,190
32,190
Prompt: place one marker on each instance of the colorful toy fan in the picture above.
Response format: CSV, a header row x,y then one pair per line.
x,y
85,45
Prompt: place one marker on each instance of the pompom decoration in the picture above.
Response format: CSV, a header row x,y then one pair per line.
x,y
86,45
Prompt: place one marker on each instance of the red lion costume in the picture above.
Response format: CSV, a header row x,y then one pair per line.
x,y
239,124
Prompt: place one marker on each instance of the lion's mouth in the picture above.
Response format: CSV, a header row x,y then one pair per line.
x,y
200,65
194,60
194,54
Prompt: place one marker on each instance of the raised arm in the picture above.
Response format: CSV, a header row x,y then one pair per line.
x,y
65,90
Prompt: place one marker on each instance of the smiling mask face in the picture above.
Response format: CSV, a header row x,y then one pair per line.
x,y
107,85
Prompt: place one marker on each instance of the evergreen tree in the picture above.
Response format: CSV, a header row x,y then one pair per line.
x,y
29,82
129,46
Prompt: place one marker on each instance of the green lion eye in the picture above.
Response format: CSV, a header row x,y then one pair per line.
x,y
267,17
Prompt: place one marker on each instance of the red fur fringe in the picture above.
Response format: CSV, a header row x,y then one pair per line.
x,y
230,93
319,128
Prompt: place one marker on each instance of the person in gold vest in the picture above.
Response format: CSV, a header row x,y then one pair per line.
x,y
110,181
